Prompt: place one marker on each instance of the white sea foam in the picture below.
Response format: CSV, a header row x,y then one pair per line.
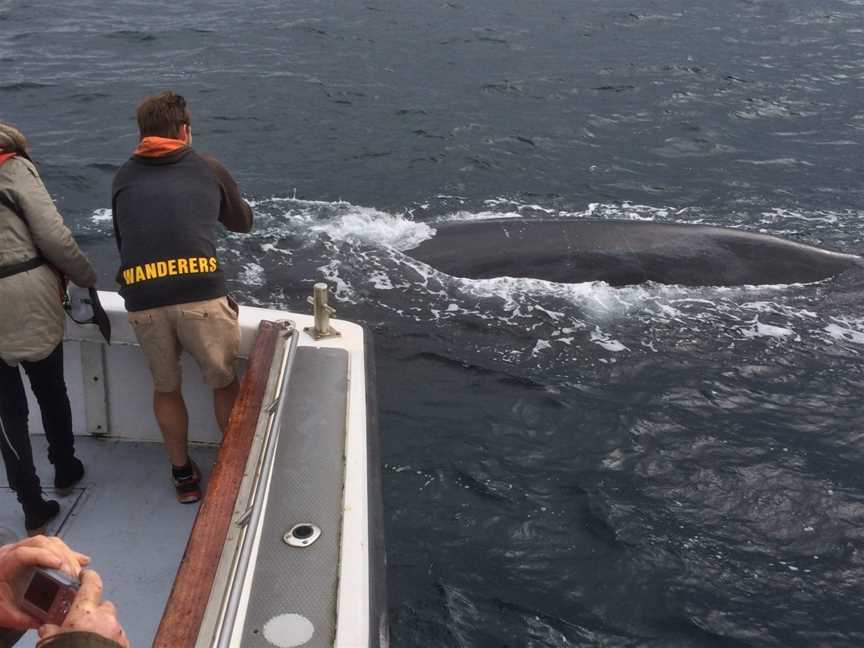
x,y
342,290
380,280
252,274
539,346
479,216
761,329
267,248
541,633
509,208
601,339
373,226
777,162
846,330
510,290
779,214
102,215
501,202
774,307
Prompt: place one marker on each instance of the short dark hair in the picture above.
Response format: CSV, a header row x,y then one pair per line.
x,y
162,115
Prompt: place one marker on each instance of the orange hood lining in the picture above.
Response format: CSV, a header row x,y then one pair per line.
x,y
153,146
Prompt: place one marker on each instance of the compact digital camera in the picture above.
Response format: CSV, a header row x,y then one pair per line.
x,y
48,595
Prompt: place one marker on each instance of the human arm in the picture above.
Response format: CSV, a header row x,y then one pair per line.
x,y
50,235
88,616
17,560
234,212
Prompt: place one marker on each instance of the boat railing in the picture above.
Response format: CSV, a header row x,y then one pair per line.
x,y
251,517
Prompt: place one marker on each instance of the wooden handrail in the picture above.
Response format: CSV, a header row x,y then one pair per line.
x,y
184,611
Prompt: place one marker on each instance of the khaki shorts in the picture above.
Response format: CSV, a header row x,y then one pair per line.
x,y
208,330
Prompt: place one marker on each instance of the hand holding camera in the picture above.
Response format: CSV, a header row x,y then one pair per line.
x,y
43,585
18,562
89,613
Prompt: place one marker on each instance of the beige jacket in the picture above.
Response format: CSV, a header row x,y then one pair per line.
x,y
31,312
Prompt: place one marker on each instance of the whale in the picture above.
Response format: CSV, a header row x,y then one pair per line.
x,y
623,253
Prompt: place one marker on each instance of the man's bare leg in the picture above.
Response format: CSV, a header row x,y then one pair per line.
x,y
170,410
223,402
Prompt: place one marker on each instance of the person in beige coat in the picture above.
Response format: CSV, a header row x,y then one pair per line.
x,y
37,254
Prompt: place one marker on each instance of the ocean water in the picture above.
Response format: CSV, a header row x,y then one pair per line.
x,y
564,464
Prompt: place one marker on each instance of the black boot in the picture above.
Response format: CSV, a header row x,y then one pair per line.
x,y
67,474
39,513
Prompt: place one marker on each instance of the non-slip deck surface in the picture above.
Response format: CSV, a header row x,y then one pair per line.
x,y
126,518
306,487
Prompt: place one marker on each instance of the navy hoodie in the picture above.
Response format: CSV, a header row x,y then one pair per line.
x,y
166,210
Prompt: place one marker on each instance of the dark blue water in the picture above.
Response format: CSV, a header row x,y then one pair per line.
x,y
565,465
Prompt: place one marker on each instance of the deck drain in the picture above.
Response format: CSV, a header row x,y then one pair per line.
x,y
302,535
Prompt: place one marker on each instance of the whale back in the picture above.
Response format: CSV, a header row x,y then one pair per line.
x,y
625,252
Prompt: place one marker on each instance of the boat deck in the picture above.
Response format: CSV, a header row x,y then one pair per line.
x,y
286,549
126,518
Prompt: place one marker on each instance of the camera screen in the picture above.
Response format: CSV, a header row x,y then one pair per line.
x,y
42,591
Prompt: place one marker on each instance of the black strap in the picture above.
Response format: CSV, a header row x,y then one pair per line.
x,y
18,268
7,202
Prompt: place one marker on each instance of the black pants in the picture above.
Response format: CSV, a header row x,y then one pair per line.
x,y
49,387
